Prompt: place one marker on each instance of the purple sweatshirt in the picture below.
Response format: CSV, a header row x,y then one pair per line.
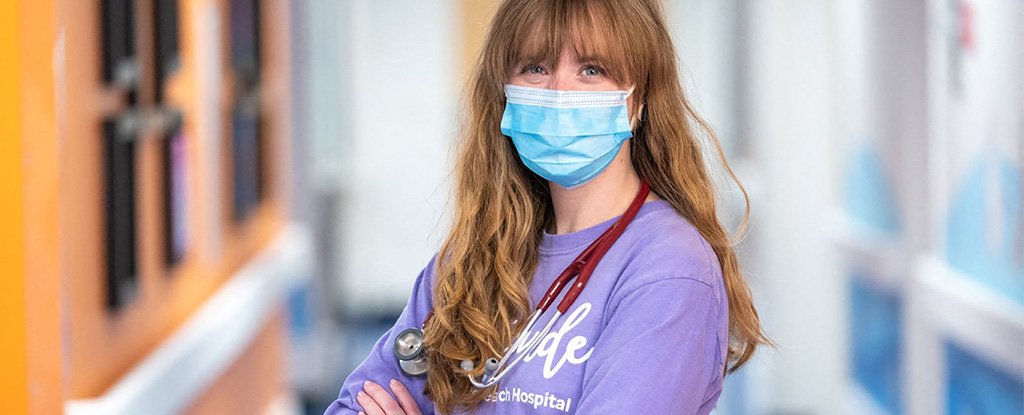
x,y
649,331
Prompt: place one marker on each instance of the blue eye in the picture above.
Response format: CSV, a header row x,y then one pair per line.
x,y
592,71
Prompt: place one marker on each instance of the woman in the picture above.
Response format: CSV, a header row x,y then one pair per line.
x,y
575,110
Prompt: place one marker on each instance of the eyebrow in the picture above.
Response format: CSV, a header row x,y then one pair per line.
x,y
598,60
592,59
535,60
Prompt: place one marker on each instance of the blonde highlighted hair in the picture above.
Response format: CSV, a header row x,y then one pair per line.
x,y
501,208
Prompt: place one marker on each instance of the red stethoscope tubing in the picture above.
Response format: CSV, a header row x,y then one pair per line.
x,y
583,266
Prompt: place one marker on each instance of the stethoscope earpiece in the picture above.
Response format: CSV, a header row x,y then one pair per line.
x,y
490,367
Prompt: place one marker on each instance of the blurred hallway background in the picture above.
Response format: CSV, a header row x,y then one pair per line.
x,y
217,206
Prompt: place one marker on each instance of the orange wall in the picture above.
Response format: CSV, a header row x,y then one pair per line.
x,y
30,381
52,310
105,346
258,376
40,146
13,367
476,15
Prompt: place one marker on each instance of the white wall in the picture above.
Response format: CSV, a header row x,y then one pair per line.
x,y
401,77
792,132
704,32
762,73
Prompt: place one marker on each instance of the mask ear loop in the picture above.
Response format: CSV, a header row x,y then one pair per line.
x,y
640,112
639,117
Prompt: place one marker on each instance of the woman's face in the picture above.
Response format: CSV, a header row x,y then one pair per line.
x,y
570,73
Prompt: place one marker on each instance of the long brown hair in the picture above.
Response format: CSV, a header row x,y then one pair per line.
x,y
487,261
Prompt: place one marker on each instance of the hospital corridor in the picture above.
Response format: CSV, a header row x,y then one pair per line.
x,y
223,206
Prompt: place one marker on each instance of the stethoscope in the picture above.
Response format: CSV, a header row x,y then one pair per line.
x,y
408,347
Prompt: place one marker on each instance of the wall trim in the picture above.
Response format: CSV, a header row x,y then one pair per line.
x,y
188,362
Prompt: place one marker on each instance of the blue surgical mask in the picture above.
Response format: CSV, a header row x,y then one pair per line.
x,y
568,137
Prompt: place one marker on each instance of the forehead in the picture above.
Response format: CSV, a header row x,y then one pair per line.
x,y
567,56
575,32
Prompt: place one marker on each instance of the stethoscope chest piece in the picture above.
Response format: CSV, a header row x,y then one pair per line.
x,y
409,351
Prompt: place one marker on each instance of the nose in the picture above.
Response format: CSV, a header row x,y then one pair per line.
x,y
555,82
558,80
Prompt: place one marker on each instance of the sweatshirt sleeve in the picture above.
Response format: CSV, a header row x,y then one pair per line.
x,y
381,365
659,352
